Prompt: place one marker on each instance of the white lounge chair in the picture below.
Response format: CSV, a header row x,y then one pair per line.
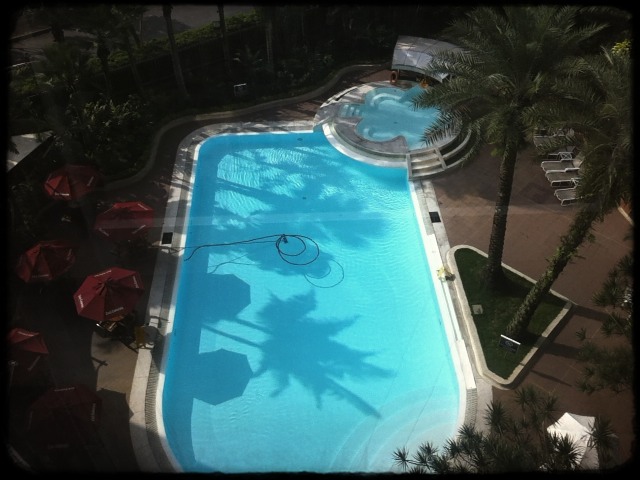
x,y
566,153
563,178
562,164
567,196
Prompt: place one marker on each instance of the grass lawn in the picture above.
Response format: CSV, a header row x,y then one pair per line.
x,y
498,308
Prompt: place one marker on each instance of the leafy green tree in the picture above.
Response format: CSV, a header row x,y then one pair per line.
x,y
252,65
600,106
507,62
111,133
509,442
612,367
66,84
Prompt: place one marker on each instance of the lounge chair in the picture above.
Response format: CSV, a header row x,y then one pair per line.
x,y
563,178
562,164
551,132
554,148
567,196
562,153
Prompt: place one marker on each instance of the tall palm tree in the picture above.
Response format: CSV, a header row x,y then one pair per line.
x,y
226,52
601,115
57,17
612,367
268,15
175,58
122,18
94,20
508,59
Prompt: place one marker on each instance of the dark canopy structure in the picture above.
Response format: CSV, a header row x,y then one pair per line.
x,y
412,54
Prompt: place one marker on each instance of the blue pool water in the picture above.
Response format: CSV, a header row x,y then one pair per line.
x,y
322,350
388,112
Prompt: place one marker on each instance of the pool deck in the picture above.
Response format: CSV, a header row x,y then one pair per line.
x,y
464,199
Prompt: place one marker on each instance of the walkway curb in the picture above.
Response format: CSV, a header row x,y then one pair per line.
x,y
472,334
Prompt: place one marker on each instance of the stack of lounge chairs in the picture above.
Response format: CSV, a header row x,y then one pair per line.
x,y
561,167
568,195
568,161
555,145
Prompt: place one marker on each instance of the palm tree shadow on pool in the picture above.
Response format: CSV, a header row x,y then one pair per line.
x,y
302,348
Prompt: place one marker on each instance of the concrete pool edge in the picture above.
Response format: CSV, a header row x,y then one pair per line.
x,y
435,242
147,429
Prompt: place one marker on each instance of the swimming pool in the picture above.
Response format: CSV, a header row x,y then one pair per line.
x,y
322,360
388,112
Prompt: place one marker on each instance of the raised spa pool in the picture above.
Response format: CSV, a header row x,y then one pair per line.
x,y
388,112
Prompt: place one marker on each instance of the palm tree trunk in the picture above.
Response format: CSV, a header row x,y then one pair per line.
x,y
102,52
175,58
269,13
493,272
226,51
569,244
132,64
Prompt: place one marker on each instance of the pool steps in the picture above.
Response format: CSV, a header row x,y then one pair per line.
x,y
340,114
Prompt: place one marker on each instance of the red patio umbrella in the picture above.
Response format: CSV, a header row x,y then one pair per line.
x,y
45,261
72,182
25,350
124,221
64,417
109,295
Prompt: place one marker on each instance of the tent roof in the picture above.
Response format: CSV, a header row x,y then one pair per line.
x,y
415,53
25,144
578,428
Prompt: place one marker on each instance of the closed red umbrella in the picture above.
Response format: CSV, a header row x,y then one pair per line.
x,y
109,295
72,182
64,417
45,261
124,221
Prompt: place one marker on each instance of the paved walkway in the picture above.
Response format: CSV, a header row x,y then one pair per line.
x,y
465,198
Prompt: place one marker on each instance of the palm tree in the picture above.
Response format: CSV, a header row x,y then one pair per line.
x,y
509,442
226,52
122,19
252,65
57,17
600,105
268,15
93,20
175,58
612,367
508,59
